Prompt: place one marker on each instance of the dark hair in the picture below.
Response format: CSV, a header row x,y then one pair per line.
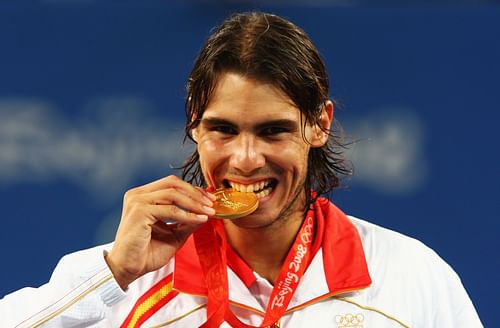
x,y
270,49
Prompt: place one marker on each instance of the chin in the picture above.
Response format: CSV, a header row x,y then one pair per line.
x,y
256,220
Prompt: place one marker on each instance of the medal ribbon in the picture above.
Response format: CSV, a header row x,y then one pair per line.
x,y
211,250
210,241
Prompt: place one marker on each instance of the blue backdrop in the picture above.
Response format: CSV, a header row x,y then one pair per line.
x,y
91,104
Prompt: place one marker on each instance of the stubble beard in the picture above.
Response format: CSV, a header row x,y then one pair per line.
x,y
285,215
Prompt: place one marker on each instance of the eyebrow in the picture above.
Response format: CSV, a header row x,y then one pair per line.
x,y
216,121
286,123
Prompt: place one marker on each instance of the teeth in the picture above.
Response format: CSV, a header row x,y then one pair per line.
x,y
263,193
256,187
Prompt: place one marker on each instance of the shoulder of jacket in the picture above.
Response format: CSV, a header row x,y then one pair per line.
x,y
390,251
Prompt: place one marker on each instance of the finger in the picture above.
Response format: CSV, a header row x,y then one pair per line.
x,y
173,182
197,193
160,228
211,196
189,202
176,214
178,233
170,181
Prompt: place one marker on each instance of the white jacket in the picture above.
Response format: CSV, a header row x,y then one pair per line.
x,y
361,276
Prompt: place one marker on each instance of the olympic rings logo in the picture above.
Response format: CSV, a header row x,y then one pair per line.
x,y
307,235
349,320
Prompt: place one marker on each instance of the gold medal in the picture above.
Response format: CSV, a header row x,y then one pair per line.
x,y
232,204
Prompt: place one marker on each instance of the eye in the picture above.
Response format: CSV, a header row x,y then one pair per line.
x,y
224,129
273,131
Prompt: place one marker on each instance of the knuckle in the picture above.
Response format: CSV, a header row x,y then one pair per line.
x,y
172,178
129,198
130,193
175,210
126,195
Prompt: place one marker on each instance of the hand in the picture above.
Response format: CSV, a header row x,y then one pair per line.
x,y
144,243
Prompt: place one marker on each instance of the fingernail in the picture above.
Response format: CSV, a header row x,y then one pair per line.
x,y
208,210
202,217
207,201
210,195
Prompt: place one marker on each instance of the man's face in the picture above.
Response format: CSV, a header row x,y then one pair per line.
x,y
250,138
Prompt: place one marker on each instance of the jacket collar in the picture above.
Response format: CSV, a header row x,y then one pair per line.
x,y
338,263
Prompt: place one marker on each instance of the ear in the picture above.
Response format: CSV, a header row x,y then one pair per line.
x,y
320,131
194,132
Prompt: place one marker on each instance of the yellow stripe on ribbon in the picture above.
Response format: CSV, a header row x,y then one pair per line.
x,y
149,303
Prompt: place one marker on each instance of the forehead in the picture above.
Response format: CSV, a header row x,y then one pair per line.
x,y
244,99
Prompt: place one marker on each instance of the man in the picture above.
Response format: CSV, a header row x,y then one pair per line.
x,y
258,110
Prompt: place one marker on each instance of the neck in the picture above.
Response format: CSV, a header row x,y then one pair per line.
x,y
264,249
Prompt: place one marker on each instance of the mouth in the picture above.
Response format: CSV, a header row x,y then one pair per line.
x,y
260,189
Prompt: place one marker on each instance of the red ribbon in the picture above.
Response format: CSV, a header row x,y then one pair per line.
x,y
210,241
211,249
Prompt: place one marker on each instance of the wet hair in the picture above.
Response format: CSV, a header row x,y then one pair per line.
x,y
273,50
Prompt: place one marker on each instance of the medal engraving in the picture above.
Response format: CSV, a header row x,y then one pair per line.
x,y
232,204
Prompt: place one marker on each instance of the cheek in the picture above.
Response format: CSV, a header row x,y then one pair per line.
x,y
207,149
207,146
290,157
211,158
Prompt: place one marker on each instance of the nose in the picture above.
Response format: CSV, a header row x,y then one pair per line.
x,y
246,155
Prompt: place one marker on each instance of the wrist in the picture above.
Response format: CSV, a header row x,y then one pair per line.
x,y
122,277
